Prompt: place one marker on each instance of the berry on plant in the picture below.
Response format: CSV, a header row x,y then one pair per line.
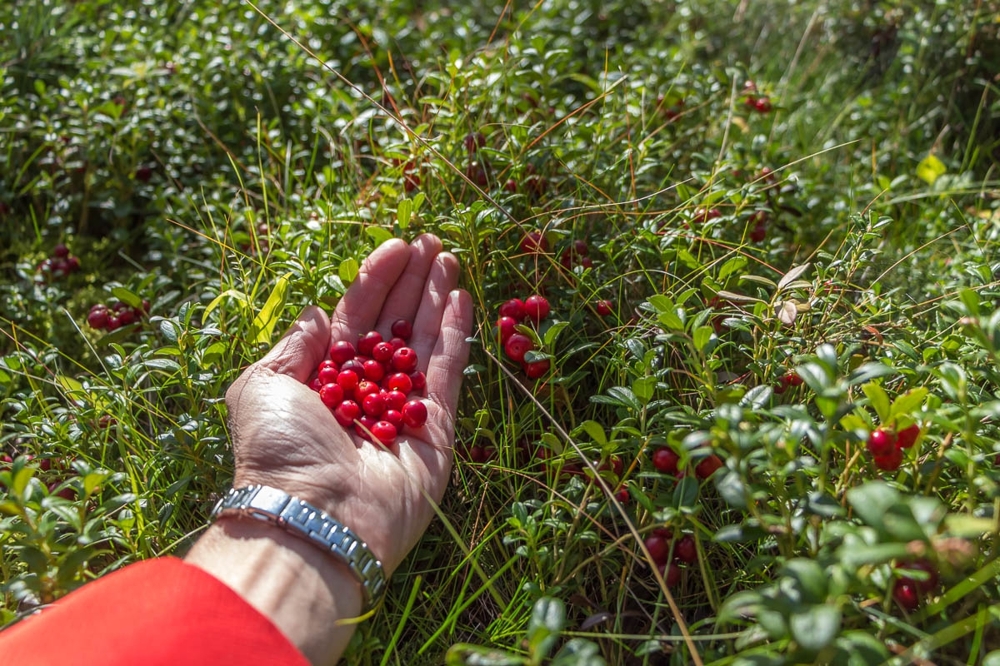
x,y
658,547
534,243
536,307
708,466
891,461
665,460
514,309
603,308
506,326
517,346
671,574
685,550
907,437
536,369
881,442
906,595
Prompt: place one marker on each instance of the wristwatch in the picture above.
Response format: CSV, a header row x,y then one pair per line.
x,y
308,522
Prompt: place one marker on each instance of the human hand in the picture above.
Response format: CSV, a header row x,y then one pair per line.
x,y
285,437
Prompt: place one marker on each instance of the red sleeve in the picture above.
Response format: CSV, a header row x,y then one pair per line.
x,y
158,612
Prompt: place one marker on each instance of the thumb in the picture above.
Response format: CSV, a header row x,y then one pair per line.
x,y
302,348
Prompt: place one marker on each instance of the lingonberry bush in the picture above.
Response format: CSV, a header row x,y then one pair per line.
x,y
733,394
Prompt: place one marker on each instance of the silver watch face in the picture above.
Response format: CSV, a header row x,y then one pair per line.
x,y
270,500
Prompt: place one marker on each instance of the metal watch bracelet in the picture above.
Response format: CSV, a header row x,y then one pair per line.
x,y
308,522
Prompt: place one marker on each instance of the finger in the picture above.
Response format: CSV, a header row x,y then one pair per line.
x,y
451,353
359,309
404,299
441,280
302,348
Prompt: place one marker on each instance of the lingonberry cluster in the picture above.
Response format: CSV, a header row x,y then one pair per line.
x,y
534,308
368,386
665,460
60,264
118,314
886,445
576,255
759,103
908,590
685,551
786,381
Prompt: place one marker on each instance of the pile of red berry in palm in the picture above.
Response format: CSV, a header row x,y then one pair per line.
x,y
60,264
368,386
886,446
105,318
534,308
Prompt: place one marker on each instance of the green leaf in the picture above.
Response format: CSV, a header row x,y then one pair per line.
x,y
265,321
863,649
879,400
930,168
126,297
378,235
702,336
907,403
595,431
872,501
869,371
403,212
738,606
810,577
816,628
548,617
968,526
240,297
686,493
550,335
348,270
463,654
578,652
661,303
643,388
731,488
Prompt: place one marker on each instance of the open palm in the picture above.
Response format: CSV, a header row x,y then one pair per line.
x,y
285,437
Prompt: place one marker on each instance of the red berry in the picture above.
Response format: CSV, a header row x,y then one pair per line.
x,y
704,215
342,351
364,389
478,173
373,404
316,384
404,359
891,461
536,308
384,432
419,380
708,466
685,550
383,351
882,442
658,547
395,400
355,366
534,243
514,309
907,437
793,379
328,375
402,329
60,251
394,417
415,413
622,495
671,574
665,460
536,369
143,174
146,305
346,412
758,233
906,595
374,371
113,323
348,380
924,585
331,395
664,532
364,426
474,141
367,342
604,308
517,346
401,382
580,247
327,363
397,343
506,328
511,186
98,319
480,454
126,317
98,307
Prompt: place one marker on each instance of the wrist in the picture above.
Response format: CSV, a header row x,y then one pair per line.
x,y
311,596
